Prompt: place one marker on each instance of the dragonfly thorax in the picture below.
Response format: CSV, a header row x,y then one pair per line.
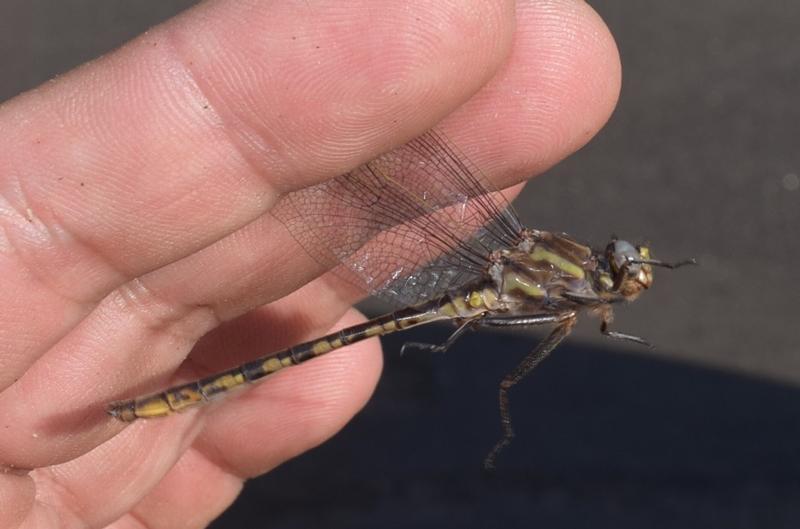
x,y
535,274
551,271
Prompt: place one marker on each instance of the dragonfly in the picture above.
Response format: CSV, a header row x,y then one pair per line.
x,y
423,228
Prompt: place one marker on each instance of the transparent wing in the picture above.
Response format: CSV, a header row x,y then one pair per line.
x,y
408,226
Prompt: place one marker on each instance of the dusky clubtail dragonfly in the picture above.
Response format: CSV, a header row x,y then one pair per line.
x,y
421,227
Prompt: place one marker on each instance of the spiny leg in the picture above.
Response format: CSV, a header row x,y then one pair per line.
x,y
622,336
487,321
442,347
533,359
524,321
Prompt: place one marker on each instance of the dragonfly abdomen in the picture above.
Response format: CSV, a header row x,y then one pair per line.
x,y
182,397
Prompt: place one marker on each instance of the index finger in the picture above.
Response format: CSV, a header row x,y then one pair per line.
x,y
193,130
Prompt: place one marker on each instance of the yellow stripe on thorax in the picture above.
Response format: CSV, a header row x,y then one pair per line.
x,y
513,281
540,254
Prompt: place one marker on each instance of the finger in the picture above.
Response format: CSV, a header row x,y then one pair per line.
x,y
17,492
56,411
548,100
96,488
557,89
153,460
190,131
296,411
193,493
258,430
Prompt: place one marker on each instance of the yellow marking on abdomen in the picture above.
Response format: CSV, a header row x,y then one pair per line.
x,y
476,299
153,406
459,304
274,364
448,310
489,298
374,330
322,347
223,383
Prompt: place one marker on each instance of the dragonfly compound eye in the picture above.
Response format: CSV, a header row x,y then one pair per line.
x,y
620,255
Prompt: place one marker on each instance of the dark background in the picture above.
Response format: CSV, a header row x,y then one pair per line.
x,y
701,159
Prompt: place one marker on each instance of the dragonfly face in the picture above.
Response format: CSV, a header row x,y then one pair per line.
x,y
629,268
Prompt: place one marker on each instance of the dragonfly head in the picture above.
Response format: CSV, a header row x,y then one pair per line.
x,y
631,267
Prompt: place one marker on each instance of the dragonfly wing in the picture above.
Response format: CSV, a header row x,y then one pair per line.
x,y
407,226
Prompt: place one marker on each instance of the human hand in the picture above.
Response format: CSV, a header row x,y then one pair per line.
x,y
134,193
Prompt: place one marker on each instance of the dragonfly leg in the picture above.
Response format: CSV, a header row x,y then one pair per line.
x,y
524,321
442,347
533,359
622,336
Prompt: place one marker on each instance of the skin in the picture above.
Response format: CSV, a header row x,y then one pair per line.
x,y
136,247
